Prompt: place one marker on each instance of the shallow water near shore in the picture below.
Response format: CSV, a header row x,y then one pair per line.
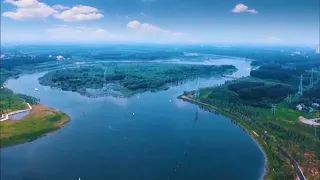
x,y
151,136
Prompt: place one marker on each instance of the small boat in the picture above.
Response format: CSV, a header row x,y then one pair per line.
x,y
36,89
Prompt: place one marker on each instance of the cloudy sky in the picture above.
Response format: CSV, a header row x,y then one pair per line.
x,y
161,21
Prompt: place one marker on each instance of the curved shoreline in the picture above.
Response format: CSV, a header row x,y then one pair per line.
x,y
253,134
260,170
14,134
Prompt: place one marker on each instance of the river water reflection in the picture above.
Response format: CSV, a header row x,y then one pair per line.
x,y
152,136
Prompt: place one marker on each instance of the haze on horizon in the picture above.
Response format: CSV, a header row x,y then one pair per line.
x,y
287,22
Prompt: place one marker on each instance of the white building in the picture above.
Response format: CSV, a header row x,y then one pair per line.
x,y
60,57
299,107
315,105
310,109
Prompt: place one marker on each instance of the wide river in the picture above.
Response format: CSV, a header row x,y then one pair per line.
x,y
153,136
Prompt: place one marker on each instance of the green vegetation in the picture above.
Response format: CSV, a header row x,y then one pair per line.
x,y
5,74
277,72
39,122
310,96
128,78
10,102
247,101
258,94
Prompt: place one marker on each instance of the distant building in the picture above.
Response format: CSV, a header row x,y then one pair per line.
x,y
310,109
299,107
315,105
60,57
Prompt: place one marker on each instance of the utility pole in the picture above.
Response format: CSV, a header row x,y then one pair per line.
x,y
273,109
300,86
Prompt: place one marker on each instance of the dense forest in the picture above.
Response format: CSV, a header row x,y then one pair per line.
x,y
128,77
277,72
260,94
10,63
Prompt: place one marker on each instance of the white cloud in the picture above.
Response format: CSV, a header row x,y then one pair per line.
x,y
28,9
80,33
33,9
134,24
60,7
22,3
241,8
149,28
79,13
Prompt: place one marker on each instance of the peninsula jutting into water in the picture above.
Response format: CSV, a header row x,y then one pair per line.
x,y
127,79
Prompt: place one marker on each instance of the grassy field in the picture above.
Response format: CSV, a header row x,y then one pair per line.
x,y
41,121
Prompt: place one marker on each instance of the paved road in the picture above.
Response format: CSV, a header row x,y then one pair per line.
x,y
5,117
294,163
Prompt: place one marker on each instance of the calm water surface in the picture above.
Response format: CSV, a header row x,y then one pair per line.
x,y
18,116
152,136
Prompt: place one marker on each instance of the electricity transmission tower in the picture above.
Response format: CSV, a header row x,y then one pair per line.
x,y
311,79
197,95
300,86
273,109
289,98
318,77
104,78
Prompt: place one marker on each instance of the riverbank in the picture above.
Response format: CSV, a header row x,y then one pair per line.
x,y
262,144
41,121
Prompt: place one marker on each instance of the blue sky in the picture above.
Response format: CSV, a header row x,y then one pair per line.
x,y
161,21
